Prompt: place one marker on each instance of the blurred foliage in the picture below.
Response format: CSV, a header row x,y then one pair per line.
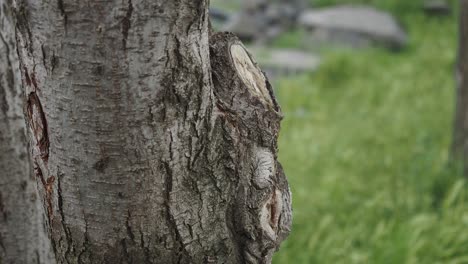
x,y
229,5
365,144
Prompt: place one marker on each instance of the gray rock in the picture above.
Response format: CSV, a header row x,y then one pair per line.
x,y
219,15
281,14
437,7
247,26
355,26
272,32
254,4
263,20
284,62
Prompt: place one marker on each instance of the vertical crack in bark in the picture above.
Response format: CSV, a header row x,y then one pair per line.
x,y
126,255
145,248
126,24
43,53
177,238
34,81
38,173
9,75
48,190
4,102
61,8
38,125
2,245
2,208
66,230
22,24
128,227
53,62
26,76
84,246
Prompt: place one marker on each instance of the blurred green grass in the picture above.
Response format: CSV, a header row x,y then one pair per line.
x,y
365,145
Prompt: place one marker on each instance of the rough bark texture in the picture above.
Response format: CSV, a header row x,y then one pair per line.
x,y
460,138
250,117
141,157
23,237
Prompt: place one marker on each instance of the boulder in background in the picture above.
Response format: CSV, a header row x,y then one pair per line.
x,y
353,26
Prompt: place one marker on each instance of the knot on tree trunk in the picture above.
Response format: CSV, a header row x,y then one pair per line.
x,y
250,117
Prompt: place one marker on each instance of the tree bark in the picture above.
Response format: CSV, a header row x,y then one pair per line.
x,y
148,150
460,138
23,237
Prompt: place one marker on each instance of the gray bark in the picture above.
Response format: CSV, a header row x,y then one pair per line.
x,y
460,138
142,156
23,237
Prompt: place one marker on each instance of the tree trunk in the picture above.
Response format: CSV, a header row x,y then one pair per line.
x,y
147,149
23,237
460,138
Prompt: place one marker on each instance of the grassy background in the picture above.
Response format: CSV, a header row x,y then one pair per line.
x,y
365,145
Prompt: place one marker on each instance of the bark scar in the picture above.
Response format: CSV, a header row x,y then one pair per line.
x,y
271,212
33,80
250,74
102,164
275,205
49,190
26,76
38,125
30,79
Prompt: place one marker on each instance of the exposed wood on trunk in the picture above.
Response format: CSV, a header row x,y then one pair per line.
x,y
142,158
250,119
23,237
